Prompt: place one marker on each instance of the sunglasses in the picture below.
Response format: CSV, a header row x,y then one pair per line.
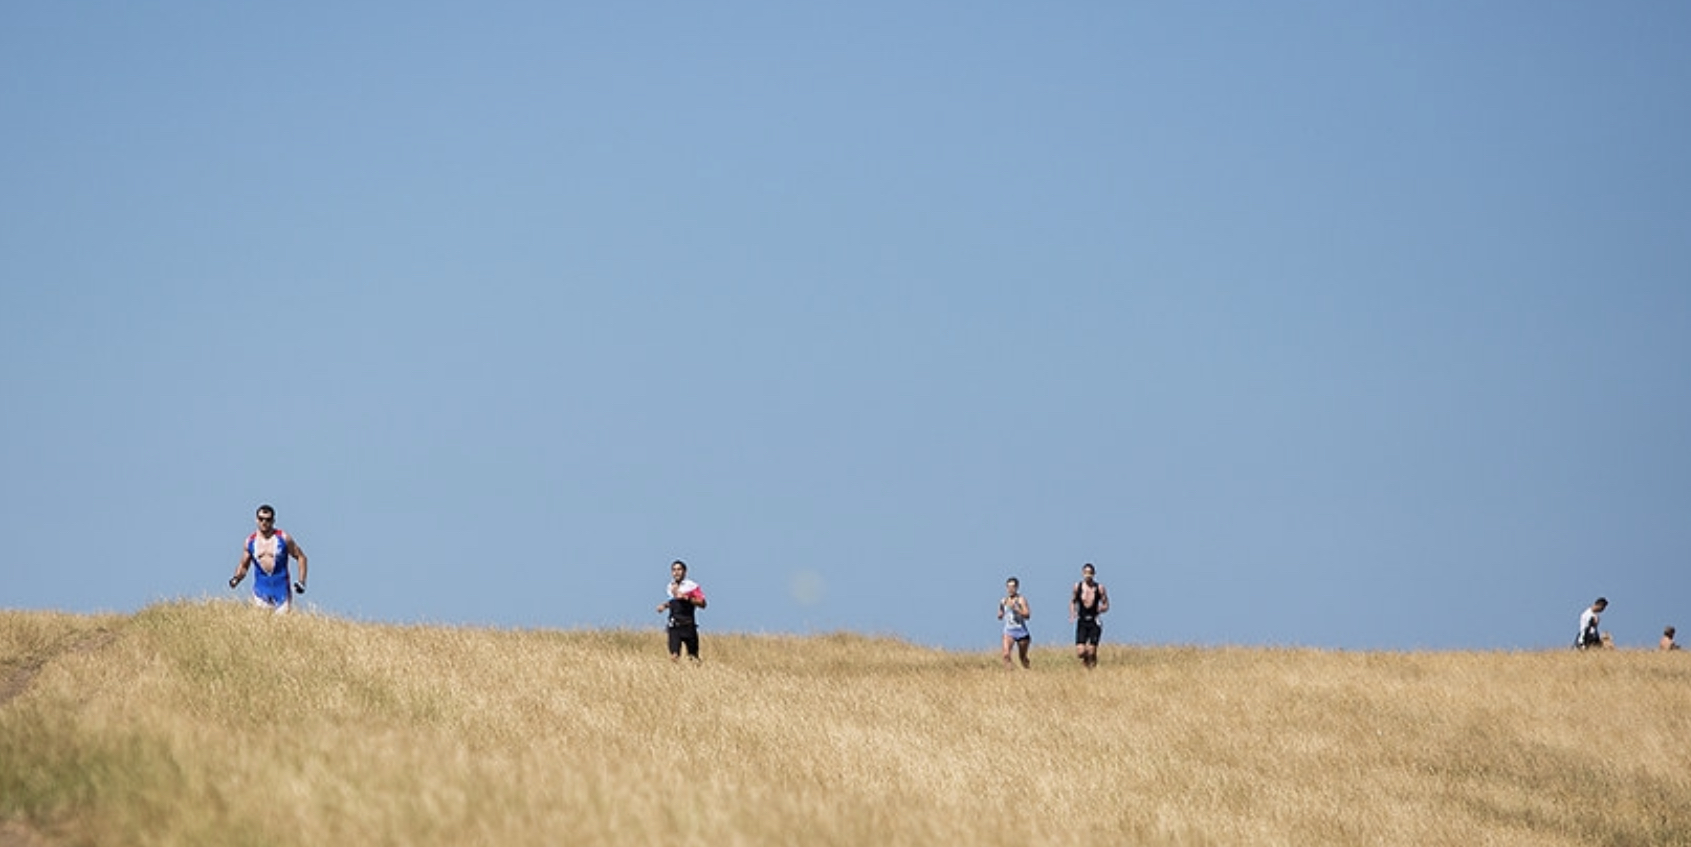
x,y
266,518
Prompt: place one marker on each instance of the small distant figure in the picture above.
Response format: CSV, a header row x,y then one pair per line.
x,y
1088,601
1667,642
271,548
685,597
1014,611
1589,636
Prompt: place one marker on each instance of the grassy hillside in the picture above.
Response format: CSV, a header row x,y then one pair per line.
x,y
212,723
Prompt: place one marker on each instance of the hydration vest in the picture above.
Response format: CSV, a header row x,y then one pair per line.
x,y
1088,613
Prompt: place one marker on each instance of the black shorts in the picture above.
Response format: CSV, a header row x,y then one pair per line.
x,y
1088,631
684,635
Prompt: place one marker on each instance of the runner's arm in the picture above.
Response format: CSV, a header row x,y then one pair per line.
x,y
241,569
299,553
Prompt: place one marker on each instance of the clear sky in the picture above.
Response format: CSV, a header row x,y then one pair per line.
x,y
1353,325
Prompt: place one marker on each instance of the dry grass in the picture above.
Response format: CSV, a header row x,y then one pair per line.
x,y
213,723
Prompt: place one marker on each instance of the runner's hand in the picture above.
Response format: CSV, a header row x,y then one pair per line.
x,y
234,581
299,588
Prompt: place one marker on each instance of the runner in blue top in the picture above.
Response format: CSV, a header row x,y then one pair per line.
x,y
270,548
1013,610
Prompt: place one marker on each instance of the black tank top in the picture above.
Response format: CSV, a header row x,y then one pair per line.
x,y
681,612
1088,613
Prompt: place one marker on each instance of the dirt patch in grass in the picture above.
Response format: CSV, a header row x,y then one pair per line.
x,y
13,834
17,681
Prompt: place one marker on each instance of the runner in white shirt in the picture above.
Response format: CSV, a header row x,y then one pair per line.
x,y
1013,610
1588,620
685,596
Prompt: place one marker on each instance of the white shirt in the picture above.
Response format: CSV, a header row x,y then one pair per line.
x,y
1587,619
1012,613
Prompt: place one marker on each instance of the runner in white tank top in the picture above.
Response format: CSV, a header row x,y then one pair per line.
x,y
1014,611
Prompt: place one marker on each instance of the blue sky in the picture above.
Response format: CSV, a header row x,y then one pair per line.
x,y
1311,323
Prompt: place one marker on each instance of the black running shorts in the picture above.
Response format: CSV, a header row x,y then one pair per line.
x,y
1088,631
684,635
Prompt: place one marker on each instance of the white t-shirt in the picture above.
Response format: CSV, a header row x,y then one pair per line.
x,y
1587,619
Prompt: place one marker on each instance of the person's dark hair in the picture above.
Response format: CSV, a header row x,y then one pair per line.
x,y
1601,601
1088,567
1015,580
266,509
1668,632
681,563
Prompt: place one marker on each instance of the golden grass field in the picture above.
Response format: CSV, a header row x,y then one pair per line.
x,y
215,723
